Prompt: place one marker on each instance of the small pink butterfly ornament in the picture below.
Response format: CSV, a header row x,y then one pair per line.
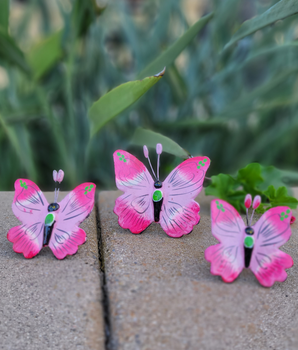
x,y
249,246
169,203
55,225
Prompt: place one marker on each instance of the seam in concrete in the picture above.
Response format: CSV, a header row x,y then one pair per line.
x,y
104,287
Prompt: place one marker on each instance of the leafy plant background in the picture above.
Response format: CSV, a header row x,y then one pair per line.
x,y
230,91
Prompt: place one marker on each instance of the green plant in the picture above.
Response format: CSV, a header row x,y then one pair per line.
x,y
253,179
52,120
223,97
267,181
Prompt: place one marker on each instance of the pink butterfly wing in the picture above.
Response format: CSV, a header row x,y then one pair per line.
x,y
227,257
135,207
268,263
30,207
74,208
179,211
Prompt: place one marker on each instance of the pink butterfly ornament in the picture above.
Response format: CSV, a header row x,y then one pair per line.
x,y
147,199
55,225
249,246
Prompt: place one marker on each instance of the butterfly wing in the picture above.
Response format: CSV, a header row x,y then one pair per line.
x,y
268,263
30,207
135,207
227,257
74,208
179,211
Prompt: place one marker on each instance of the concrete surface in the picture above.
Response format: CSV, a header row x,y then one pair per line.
x,y
162,295
46,303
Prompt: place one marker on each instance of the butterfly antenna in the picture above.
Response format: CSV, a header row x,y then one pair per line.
x,y
158,151
55,174
146,154
247,204
255,204
60,177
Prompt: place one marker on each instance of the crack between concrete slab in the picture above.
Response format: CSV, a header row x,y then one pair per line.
x,y
104,288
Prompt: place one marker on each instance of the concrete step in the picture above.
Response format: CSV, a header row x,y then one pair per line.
x,y
46,303
159,293
162,295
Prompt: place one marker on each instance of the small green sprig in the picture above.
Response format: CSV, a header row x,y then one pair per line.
x,y
256,180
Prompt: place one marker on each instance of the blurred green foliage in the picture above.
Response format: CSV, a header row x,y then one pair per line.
x,y
231,94
268,182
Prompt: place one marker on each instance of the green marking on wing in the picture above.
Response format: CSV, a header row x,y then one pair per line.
x,y
88,189
23,184
220,206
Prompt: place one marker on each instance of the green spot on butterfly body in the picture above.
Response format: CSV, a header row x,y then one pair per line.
x,y
23,184
249,242
49,220
157,196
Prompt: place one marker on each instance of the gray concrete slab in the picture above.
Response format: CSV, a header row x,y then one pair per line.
x,y
46,303
162,295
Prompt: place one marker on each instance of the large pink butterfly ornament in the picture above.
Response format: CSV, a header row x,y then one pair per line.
x,y
249,246
169,203
55,225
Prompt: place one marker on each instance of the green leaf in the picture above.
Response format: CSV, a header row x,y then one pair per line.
x,y
281,10
150,138
250,178
262,208
271,176
4,15
118,99
280,197
172,52
278,52
270,192
253,179
19,140
246,102
84,13
225,187
10,52
45,54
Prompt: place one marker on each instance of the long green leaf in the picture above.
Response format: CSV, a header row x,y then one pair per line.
x,y
241,106
19,140
244,103
84,13
150,138
45,54
10,52
271,52
118,99
212,123
172,52
4,15
281,10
